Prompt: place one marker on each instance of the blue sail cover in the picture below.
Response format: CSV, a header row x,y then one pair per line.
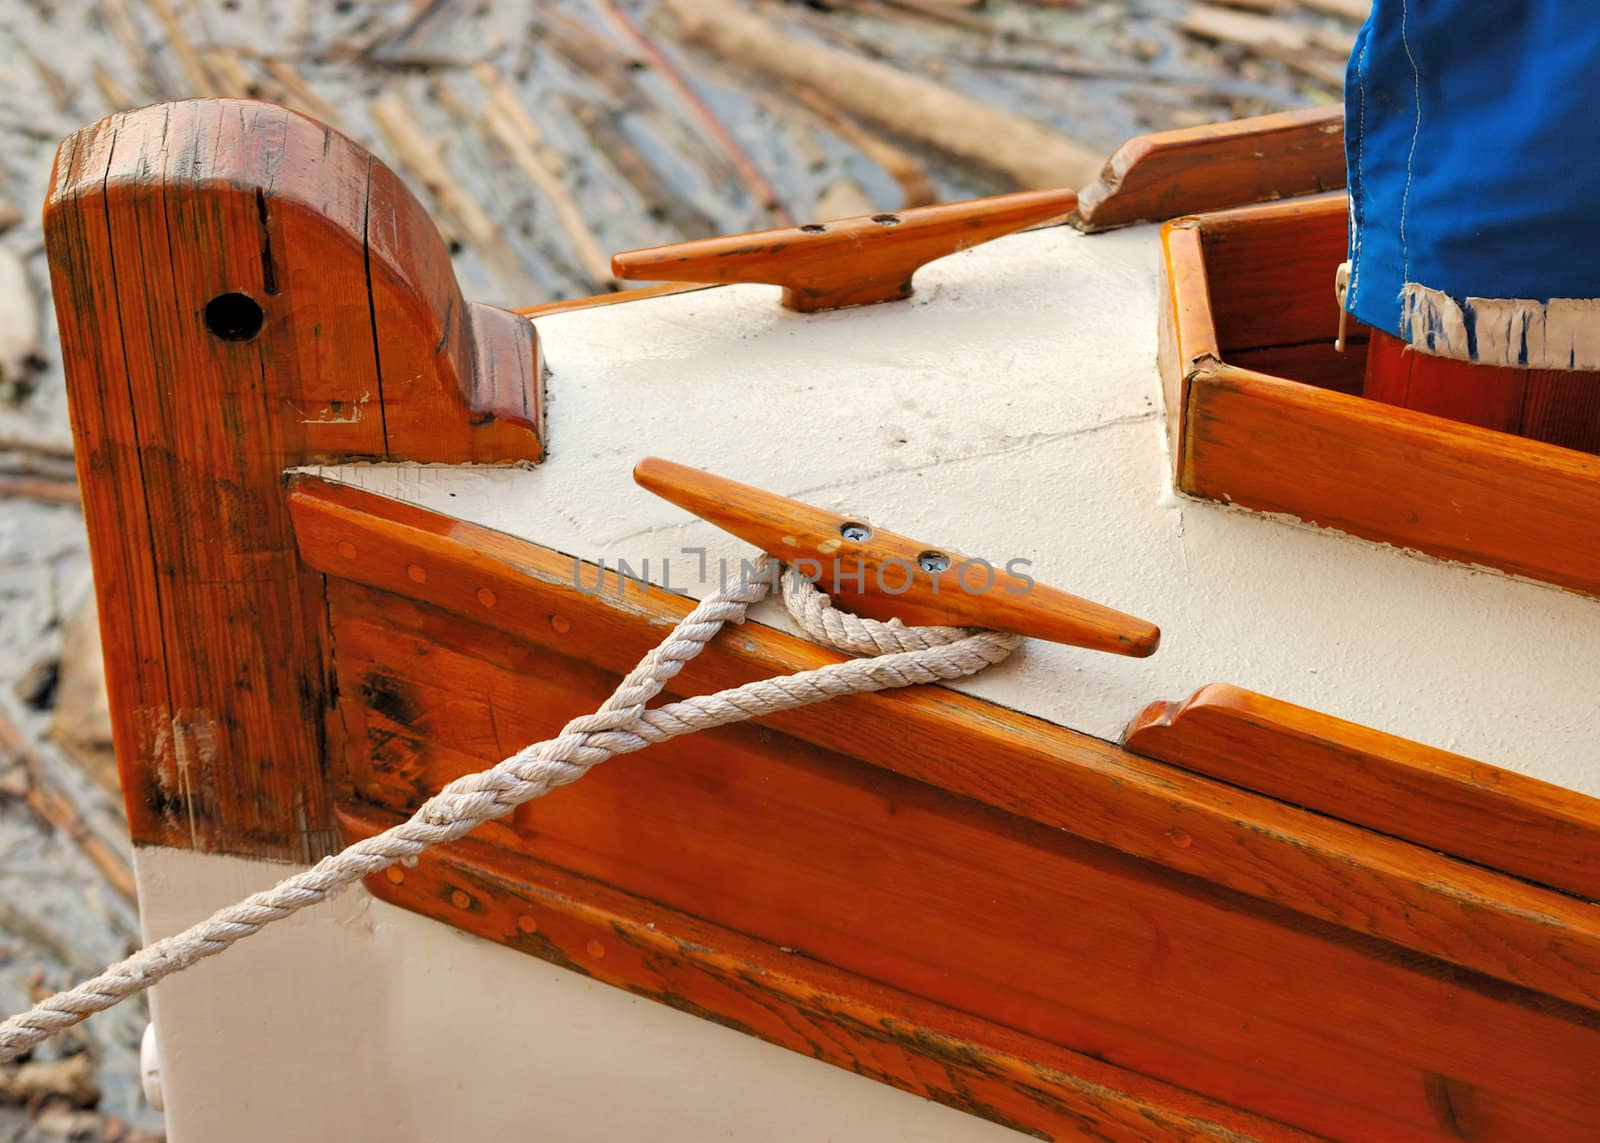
x,y
1472,136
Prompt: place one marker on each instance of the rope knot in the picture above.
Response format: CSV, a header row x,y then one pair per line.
x,y
897,656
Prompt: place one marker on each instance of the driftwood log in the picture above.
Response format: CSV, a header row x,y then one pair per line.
x,y
1025,153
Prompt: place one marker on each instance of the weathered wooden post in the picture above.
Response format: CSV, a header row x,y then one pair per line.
x,y
242,290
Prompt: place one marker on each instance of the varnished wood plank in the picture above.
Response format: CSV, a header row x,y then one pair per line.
x,y
1491,397
1169,173
1322,868
1494,817
1271,270
108,476
1481,496
1314,363
795,1001
752,830
1186,336
1563,407
209,263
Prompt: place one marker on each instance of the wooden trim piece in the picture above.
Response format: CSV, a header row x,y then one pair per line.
x,y
794,1001
1271,271
1394,475
610,298
239,290
1304,862
1457,805
1170,173
1187,342
1561,407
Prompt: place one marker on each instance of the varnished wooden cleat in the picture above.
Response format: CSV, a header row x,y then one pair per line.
x,y
849,261
881,575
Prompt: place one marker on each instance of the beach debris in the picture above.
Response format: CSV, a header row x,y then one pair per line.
x,y
1355,11
69,1080
759,186
1025,153
916,188
1313,52
843,198
21,355
505,122
660,198
81,724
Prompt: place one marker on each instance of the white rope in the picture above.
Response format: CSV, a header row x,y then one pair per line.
x,y
902,656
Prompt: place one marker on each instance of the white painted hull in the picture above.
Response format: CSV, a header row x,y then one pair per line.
x,y
361,1021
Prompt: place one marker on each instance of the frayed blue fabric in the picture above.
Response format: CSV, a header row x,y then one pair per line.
x,y
1472,137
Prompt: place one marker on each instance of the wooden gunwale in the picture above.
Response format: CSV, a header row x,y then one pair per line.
x,y
764,830
1325,869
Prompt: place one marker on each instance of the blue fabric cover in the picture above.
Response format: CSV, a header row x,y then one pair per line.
x,y
1472,135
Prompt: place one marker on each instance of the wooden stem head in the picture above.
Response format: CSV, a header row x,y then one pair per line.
x,y
241,290
881,575
851,261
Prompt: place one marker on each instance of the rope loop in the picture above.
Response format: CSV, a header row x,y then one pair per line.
x,y
896,656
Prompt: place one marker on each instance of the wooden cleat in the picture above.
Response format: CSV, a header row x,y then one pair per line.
x,y
881,575
850,261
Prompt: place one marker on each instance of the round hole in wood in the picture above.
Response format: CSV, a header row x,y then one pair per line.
x,y
234,317
814,228
886,219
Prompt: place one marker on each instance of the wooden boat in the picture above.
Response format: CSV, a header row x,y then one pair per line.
x,y
1325,865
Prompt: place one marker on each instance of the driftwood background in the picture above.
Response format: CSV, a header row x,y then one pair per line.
x,y
544,137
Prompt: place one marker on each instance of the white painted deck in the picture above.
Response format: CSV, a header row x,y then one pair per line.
x,y
1011,410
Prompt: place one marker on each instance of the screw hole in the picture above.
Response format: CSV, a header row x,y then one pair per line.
x,y
855,531
234,317
886,219
814,228
934,562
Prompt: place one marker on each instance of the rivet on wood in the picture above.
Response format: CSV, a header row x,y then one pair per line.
x,y
460,900
417,573
395,874
527,924
486,597
561,624
347,549
1179,838
596,949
